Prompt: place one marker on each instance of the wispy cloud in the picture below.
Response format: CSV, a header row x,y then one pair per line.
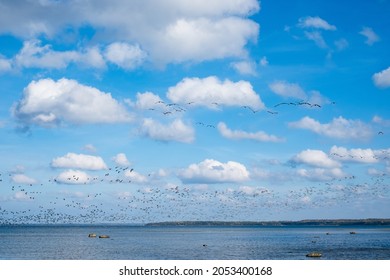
x,y
371,36
316,23
177,130
338,128
239,134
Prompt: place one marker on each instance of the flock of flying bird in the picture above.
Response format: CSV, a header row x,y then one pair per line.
x,y
40,203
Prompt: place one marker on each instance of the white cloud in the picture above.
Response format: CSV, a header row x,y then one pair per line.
x,y
339,128
80,161
170,31
382,78
316,23
356,155
136,177
125,55
315,97
5,64
379,120
286,89
371,36
315,158
321,174
245,67
48,103
148,100
21,196
211,92
73,177
239,134
33,55
121,160
90,148
23,179
185,39
317,38
213,171
174,131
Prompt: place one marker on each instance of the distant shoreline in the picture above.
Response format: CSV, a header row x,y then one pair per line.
x,y
308,222
311,222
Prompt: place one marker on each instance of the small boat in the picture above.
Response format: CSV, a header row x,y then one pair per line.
x,y
104,236
92,235
314,255
352,232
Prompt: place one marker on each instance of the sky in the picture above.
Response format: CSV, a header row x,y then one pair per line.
x,y
144,111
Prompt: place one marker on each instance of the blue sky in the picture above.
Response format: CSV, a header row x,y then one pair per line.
x,y
137,111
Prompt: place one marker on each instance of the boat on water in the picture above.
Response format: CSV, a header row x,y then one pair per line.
x,y
314,255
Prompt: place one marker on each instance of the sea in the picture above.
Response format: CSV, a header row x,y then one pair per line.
x,y
130,242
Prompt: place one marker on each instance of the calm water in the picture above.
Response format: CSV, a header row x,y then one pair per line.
x,y
159,243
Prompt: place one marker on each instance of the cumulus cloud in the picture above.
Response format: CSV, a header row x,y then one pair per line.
x,y
315,158
320,174
286,89
80,161
22,179
121,160
382,78
316,23
34,55
136,177
48,103
359,155
73,177
171,31
184,40
213,171
125,55
177,130
239,134
371,36
339,128
211,92
148,100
